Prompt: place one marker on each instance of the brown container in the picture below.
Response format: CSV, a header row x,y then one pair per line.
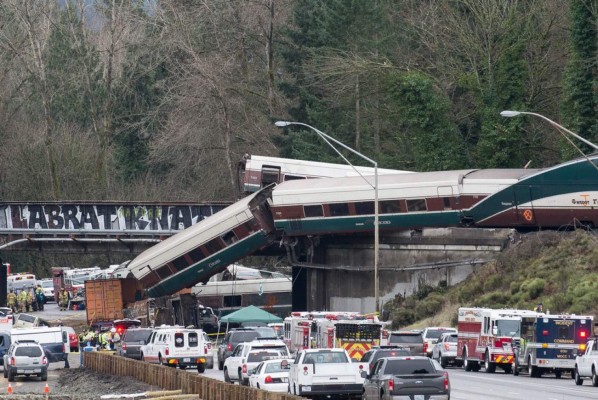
x,y
105,299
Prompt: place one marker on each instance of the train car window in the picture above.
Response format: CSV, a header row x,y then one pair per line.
x,y
232,301
313,211
251,226
214,246
196,255
180,263
229,238
416,205
164,272
447,202
390,207
293,177
339,209
270,175
364,207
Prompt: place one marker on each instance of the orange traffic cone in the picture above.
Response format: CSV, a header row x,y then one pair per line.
x,y
46,389
9,389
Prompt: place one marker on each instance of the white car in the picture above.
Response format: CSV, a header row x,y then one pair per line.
x,y
445,350
431,336
235,366
271,375
47,288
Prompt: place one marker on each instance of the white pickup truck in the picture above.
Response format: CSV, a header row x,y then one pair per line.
x,y
325,372
586,365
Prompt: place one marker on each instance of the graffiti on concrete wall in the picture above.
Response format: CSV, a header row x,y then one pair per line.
x,y
69,217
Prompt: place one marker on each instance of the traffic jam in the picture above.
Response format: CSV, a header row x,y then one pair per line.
x,y
351,355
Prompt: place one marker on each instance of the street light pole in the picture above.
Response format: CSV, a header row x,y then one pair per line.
x,y
510,114
329,139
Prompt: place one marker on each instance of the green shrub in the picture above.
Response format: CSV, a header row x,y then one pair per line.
x,y
496,299
533,287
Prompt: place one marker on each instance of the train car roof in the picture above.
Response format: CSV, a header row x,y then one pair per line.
x,y
495,174
190,233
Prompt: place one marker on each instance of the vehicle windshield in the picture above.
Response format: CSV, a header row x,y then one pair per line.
x,y
434,333
326,358
392,353
240,337
261,356
409,367
508,327
47,284
452,339
404,338
137,336
29,351
275,367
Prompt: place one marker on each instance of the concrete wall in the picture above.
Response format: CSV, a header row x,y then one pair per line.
x,y
342,279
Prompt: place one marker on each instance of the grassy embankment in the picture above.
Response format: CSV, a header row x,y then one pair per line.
x,y
558,269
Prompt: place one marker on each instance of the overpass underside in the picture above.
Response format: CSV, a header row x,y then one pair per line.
x,y
336,273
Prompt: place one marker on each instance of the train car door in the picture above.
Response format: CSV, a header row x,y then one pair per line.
x,y
524,207
270,174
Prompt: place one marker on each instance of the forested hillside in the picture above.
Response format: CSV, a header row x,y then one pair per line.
x,y
557,269
158,100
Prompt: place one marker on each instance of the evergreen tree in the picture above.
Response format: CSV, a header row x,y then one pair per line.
x,y
580,105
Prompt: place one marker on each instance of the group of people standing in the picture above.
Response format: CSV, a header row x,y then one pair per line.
x,y
26,300
106,340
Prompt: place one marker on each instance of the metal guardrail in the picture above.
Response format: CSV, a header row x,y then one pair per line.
x,y
169,378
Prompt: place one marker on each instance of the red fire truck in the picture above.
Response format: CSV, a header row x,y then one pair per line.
x,y
485,337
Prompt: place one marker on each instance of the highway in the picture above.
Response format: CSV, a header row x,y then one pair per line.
x,y
500,386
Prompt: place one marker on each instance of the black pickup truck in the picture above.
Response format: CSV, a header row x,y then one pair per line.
x,y
413,377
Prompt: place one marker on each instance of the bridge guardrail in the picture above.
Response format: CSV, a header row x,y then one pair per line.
x,y
169,378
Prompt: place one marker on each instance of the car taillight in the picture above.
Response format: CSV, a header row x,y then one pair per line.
x,y
244,368
360,367
447,346
446,381
44,360
268,379
391,385
63,348
583,334
166,351
229,347
425,347
124,347
12,361
205,349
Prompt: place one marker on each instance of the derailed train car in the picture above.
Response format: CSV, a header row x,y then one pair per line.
x,y
500,198
206,248
503,198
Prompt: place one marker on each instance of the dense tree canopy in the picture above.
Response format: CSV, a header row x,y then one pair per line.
x,y
138,100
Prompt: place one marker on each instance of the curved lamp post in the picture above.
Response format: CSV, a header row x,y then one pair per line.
x,y
329,139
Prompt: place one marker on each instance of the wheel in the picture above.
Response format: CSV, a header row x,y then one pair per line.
x,y
466,363
489,367
226,377
44,376
220,365
578,380
240,374
201,368
532,370
594,378
443,362
558,374
11,377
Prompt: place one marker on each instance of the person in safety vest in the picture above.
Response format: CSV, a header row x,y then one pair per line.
x,y
12,300
104,340
40,299
23,300
63,299
30,300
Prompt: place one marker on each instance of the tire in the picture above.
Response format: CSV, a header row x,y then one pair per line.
x,y
532,370
489,367
466,363
201,368
226,377
578,380
443,362
594,378
515,368
558,374
11,377
44,376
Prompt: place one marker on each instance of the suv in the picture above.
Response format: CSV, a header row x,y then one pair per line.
x,y
132,340
240,366
234,367
414,340
25,357
431,336
377,353
233,338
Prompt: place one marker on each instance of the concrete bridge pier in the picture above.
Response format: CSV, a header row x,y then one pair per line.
x,y
341,275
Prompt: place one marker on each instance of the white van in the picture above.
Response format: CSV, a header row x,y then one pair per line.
x,y
54,340
19,282
176,346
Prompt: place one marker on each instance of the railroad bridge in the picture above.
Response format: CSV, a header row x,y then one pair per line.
x,y
335,274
